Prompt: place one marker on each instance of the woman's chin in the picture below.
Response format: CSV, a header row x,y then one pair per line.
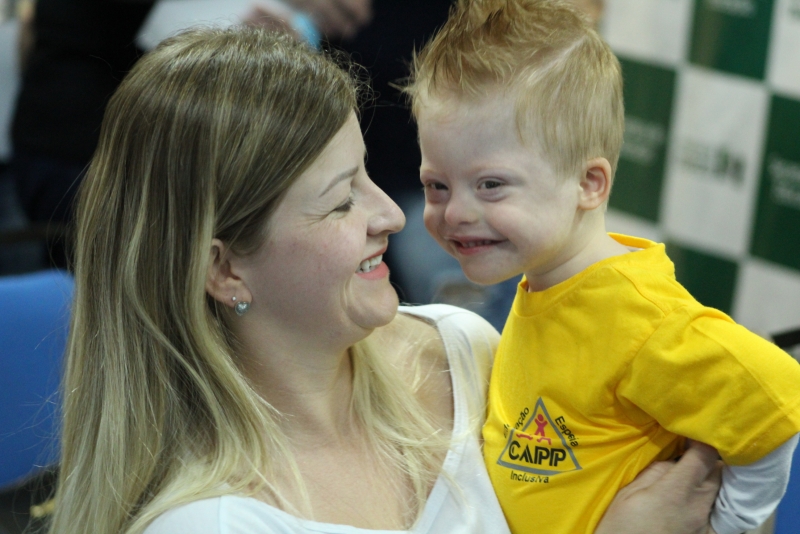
x,y
380,311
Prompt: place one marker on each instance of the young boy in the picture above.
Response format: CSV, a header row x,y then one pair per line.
x,y
605,361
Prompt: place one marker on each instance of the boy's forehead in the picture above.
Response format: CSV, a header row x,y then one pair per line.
x,y
496,110
446,105
440,106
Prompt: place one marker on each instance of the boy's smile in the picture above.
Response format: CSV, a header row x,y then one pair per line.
x,y
492,201
468,246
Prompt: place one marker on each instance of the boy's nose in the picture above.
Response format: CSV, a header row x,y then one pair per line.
x,y
459,211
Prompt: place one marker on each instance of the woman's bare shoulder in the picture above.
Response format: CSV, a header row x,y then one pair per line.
x,y
464,347
416,340
422,329
418,353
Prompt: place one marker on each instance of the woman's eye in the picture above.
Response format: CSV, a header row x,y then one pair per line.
x,y
346,206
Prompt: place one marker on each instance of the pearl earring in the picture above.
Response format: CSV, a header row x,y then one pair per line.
x,y
241,307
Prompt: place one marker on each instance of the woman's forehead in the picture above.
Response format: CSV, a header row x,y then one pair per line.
x,y
340,159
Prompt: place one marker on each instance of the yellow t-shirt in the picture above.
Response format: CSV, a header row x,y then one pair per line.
x,y
598,376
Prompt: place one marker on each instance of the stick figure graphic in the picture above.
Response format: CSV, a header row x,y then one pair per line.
x,y
540,424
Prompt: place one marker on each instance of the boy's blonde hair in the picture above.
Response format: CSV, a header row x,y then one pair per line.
x,y
567,81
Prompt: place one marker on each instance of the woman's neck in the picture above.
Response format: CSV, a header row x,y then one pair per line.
x,y
346,479
310,387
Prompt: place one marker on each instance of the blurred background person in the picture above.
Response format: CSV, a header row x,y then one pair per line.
x,y
73,54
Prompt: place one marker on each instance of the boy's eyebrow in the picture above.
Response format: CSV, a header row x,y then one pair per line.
x,y
339,178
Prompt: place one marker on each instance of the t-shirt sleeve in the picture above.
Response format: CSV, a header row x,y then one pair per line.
x,y
702,376
750,493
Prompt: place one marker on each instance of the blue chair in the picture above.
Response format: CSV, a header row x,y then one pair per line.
x,y
787,518
34,317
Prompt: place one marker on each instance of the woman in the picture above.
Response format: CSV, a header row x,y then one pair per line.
x,y
236,360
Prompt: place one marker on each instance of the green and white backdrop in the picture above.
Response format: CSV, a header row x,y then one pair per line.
x,y
711,161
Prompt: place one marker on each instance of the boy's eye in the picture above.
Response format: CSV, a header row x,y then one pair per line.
x,y
490,184
437,186
435,192
346,206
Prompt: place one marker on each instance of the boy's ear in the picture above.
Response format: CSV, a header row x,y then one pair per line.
x,y
221,281
595,185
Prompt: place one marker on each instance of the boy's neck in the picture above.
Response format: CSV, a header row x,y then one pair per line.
x,y
592,248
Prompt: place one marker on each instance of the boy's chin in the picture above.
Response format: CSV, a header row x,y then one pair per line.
x,y
485,279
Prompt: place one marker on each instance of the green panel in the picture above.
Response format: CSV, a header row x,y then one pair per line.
x,y
776,234
648,108
710,279
732,35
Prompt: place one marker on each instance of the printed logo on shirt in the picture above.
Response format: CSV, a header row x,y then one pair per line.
x,y
540,447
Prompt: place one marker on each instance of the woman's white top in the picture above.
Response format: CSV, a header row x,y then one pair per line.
x,y
465,504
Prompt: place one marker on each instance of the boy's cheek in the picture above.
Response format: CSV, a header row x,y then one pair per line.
x,y
430,218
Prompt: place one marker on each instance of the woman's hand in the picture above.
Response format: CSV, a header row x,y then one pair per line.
x,y
668,497
271,15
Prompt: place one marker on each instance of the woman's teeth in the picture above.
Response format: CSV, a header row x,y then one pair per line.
x,y
370,264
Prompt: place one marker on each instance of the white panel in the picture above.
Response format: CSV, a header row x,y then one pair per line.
x,y
624,223
767,299
783,68
714,160
654,30
170,16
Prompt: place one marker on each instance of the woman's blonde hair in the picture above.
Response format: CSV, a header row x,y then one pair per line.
x,y
201,140
566,80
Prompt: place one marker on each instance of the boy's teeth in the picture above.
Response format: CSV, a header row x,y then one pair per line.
x,y
476,243
368,265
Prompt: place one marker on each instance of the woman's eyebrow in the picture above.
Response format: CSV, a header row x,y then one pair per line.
x,y
338,178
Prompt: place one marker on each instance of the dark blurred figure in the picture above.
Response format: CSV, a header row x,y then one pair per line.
x,y
79,52
385,47
74,54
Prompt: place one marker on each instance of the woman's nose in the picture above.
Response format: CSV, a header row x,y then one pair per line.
x,y
388,217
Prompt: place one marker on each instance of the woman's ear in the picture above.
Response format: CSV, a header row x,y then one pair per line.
x,y
595,185
222,283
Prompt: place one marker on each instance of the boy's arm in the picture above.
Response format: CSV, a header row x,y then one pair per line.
x,y
750,493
